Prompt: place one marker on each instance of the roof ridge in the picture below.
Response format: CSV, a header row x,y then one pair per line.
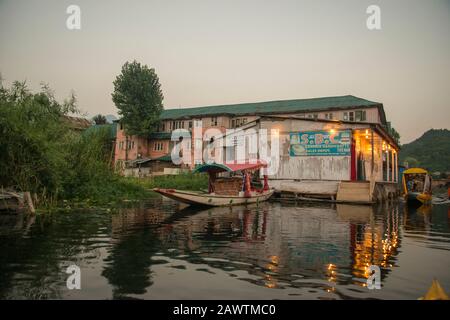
x,y
269,101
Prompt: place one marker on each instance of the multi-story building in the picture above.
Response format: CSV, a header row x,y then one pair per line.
x,y
357,115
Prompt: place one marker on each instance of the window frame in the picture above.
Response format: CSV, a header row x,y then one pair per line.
x,y
351,116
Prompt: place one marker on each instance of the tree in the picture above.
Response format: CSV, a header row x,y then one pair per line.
x,y
394,134
411,162
138,96
99,119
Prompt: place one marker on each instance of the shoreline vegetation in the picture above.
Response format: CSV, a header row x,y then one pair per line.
x,y
131,189
42,154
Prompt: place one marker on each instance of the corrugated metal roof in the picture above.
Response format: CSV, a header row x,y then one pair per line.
x,y
111,127
282,106
160,135
166,157
77,123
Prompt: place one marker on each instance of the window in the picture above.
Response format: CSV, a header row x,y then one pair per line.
x,y
310,116
163,126
329,116
158,146
351,116
235,123
178,125
345,118
190,124
360,115
213,121
316,116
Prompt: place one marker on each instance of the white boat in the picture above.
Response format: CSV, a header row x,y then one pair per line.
x,y
211,199
224,191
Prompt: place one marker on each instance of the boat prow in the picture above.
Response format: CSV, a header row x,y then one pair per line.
x,y
436,292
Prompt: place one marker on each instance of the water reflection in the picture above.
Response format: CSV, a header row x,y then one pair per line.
x,y
159,250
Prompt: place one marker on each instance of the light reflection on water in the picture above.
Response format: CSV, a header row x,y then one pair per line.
x,y
155,250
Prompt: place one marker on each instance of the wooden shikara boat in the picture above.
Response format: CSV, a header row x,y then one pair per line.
x,y
417,186
224,191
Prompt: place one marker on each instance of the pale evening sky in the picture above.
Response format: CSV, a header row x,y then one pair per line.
x,y
220,52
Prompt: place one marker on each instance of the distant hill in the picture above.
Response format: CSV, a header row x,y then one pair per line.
x,y
431,151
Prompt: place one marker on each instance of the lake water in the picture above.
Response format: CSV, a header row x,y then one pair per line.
x,y
159,250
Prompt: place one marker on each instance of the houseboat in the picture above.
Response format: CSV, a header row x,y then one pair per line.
x,y
234,189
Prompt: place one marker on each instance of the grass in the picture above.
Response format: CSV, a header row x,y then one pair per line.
x,y
184,181
115,190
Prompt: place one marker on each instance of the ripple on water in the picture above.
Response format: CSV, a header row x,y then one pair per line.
x,y
308,250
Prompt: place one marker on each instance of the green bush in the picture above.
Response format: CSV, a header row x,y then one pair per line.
x,y
40,153
184,181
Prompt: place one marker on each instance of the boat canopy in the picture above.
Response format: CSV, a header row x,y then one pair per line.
x,y
415,171
229,167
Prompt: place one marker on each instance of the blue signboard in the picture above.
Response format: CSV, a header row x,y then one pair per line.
x,y
320,143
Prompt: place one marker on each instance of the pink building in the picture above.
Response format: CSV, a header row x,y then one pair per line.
x,y
156,148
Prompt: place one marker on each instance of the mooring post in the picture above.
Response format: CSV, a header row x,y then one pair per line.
x,y
29,202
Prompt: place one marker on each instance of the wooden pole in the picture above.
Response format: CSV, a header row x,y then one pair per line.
x,y
29,202
247,192
396,166
266,183
372,160
393,166
387,165
372,164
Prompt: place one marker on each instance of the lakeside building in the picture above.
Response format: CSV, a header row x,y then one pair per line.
x,y
324,140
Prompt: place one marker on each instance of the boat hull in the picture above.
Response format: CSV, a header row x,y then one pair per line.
x,y
205,199
417,197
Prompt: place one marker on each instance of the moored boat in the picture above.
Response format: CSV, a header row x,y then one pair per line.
x,y
224,191
417,186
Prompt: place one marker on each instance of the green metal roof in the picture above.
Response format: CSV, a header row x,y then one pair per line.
x,y
160,135
166,157
111,127
283,106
